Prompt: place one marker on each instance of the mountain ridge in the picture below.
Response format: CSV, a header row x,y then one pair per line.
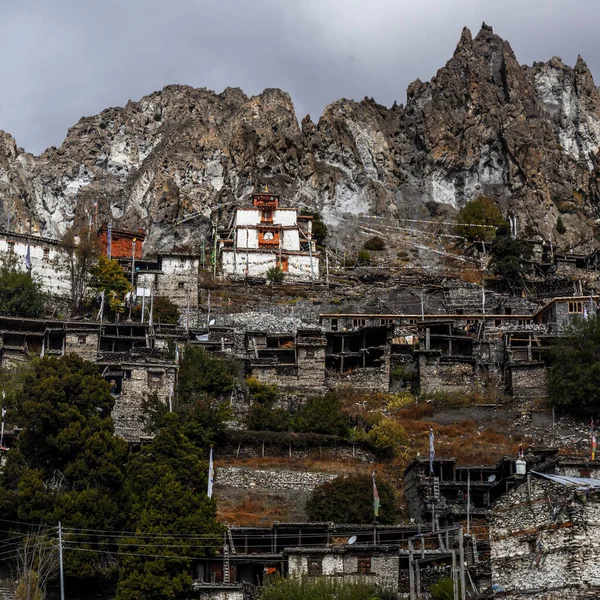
x,y
527,136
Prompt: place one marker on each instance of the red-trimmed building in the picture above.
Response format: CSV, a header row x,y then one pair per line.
x,y
122,242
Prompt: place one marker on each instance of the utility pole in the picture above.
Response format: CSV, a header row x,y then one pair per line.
x,y
461,566
327,268
3,413
60,562
469,502
143,304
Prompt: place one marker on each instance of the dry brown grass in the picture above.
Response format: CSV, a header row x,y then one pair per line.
x,y
250,513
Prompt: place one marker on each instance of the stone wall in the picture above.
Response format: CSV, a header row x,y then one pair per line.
x,y
545,541
528,381
437,375
270,479
139,382
384,570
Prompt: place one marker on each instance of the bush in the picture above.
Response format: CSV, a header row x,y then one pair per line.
x,y
263,415
322,414
322,588
442,589
482,211
574,375
560,226
376,244
165,311
387,438
403,373
364,256
275,275
350,500
202,374
20,296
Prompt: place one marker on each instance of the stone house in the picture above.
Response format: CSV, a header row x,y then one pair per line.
x,y
545,538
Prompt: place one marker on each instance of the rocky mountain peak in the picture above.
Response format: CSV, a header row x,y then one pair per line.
x,y
526,136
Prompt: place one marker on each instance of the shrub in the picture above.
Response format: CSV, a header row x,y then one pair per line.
x,y
482,211
387,438
376,244
275,275
403,373
560,226
574,376
442,589
202,373
322,588
20,296
364,256
319,229
265,417
165,311
322,414
350,500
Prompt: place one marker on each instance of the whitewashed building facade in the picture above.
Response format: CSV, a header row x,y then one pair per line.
x,y
267,235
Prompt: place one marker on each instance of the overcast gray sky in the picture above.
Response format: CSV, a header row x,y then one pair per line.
x,y
64,59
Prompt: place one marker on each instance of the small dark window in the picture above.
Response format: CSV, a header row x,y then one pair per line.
x,y
497,322
127,374
81,339
181,285
11,247
155,380
364,565
359,322
310,353
334,324
46,254
315,567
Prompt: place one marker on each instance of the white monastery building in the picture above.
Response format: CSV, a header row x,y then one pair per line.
x,y
267,235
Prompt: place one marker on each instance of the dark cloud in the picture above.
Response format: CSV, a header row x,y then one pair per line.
x,y
68,58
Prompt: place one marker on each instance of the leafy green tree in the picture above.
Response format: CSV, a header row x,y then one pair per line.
x,y
166,311
560,226
67,464
20,295
108,276
172,517
481,211
322,414
202,373
574,374
350,500
319,229
506,260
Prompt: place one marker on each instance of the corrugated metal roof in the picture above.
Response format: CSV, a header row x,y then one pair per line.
x,y
580,482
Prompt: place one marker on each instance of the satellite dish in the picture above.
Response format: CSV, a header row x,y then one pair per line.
x,y
212,322
352,540
491,478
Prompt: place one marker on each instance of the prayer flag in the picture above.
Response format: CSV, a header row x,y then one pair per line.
x,y
376,501
431,450
211,474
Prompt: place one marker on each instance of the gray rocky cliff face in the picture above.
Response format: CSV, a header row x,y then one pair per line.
x,y
527,136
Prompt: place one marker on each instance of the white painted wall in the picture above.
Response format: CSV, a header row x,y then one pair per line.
x,y
299,266
247,217
285,217
291,240
247,238
51,272
258,263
